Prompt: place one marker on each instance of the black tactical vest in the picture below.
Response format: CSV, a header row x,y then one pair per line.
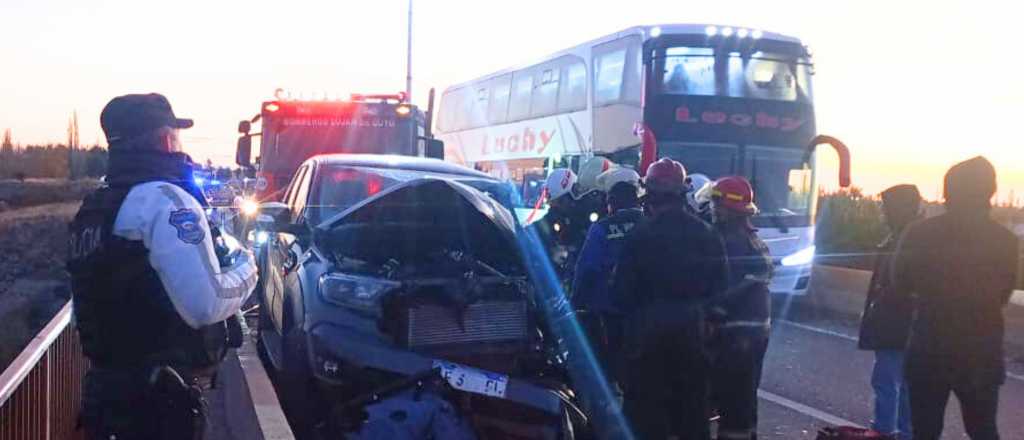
x,y
124,316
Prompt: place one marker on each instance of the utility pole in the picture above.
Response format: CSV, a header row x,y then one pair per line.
x,y
72,144
408,60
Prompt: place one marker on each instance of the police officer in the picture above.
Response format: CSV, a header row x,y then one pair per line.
x,y
668,268
743,311
150,295
600,253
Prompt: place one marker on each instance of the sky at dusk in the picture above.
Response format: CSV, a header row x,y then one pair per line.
x,y
910,86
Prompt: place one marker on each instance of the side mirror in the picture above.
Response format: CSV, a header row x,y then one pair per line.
x,y
271,215
243,152
841,150
435,148
244,127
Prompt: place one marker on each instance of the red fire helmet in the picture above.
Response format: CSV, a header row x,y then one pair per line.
x,y
665,176
734,193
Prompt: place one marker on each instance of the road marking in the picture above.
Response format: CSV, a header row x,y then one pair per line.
x,y
806,410
817,330
854,338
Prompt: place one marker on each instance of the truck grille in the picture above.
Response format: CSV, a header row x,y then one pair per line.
x,y
431,325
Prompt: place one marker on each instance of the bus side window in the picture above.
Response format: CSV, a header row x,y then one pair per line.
x,y
608,71
545,93
572,93
522,88
497,111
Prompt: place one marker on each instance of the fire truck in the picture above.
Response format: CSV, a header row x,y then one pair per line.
x,y
295,128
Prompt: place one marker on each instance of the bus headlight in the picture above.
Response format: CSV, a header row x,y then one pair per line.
x,y
799,258
249,207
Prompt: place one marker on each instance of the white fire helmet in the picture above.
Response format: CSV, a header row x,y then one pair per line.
x,y
560,183
589,171
699,193
608,179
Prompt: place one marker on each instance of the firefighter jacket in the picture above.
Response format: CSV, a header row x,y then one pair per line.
x,y
670,265
747,301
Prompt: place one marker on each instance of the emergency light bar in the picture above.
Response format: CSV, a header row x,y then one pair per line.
x,y
291,95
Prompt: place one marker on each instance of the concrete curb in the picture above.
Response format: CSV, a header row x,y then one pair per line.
x,y
269,415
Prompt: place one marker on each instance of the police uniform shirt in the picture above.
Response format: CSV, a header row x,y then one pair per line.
x,y
171,225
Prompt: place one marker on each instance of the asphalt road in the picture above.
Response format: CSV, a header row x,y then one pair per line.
x,y
814,375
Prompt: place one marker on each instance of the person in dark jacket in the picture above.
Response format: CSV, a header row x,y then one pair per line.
x,y
591,298
961,268
669,267
744,311
598,257
885,323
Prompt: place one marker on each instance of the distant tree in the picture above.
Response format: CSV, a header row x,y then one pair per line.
x,y
6,155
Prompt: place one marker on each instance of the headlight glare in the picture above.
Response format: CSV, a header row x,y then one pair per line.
x,y
799,258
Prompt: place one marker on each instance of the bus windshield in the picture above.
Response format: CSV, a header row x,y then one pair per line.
x,y
705,71
782,186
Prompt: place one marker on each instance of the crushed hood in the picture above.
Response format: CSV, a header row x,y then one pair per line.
x,y
422,213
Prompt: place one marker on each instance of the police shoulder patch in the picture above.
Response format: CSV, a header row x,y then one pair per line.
x,y
186,222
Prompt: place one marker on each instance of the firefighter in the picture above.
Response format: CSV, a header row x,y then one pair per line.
x,y
575,203
668,267
150,296
742,314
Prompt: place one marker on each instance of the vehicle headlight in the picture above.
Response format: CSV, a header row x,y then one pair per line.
x,y
260,237
249,207
356,292
799,258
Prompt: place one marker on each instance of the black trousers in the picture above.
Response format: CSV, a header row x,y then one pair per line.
x,y
666,394
929,394
735,378
123,406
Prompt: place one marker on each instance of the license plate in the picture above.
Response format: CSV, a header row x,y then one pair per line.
x,y
473,380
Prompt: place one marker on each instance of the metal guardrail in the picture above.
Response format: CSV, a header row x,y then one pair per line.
x,y
40,392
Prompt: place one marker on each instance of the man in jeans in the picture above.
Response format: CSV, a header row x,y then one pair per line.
x,y
885,323
961,268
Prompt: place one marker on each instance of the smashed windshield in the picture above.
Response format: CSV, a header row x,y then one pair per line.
x,y
340,187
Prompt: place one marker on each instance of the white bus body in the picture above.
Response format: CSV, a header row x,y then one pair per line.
x,y
722,100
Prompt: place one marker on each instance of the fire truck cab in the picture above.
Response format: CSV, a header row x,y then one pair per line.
x,y
295,129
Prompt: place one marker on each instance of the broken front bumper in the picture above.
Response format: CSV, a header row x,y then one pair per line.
x,y
332,345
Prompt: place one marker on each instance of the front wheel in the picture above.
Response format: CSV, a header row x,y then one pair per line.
x,y
297,386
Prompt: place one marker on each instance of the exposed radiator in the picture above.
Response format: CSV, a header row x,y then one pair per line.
x,y
431,325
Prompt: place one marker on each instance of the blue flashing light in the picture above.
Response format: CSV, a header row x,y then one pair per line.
x,y
215,182
199,181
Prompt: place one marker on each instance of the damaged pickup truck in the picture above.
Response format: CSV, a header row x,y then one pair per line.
x,y
396,304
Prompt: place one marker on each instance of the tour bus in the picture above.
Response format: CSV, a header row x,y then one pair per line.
x,y
722,100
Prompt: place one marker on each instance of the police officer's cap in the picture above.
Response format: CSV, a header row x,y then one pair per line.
x,y
128,116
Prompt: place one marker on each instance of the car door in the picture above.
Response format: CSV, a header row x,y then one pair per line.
x,y
278,258
291,250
